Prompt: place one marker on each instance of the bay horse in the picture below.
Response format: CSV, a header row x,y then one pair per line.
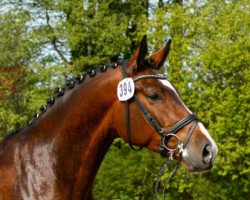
x,y
57,155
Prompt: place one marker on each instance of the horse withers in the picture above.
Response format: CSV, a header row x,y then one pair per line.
x,y
58,154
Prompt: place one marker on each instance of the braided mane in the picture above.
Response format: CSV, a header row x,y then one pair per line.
x,y
59,92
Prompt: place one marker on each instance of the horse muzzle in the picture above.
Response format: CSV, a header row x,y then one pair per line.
x,y
203,160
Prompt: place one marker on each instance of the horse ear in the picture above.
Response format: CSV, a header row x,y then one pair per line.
x,y
135,63
159,57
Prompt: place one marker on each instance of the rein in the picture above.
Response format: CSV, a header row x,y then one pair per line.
x,y
166,135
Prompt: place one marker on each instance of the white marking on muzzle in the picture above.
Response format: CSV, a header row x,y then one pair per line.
x,y
214,147
184,153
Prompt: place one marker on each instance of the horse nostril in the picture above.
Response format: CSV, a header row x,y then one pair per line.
x,y
206,154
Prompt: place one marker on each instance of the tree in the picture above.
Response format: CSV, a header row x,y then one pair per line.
x,y
13,45
209,64
46,42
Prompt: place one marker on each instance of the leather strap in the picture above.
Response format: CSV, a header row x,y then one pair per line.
x,y
180,124
148,117
127,112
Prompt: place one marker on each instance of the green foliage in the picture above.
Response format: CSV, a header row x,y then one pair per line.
x,y
210,67
128,177
208,63
15,46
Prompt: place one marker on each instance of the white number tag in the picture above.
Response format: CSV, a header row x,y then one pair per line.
x,y
125,89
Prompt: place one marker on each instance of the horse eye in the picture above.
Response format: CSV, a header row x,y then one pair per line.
x,y
154,96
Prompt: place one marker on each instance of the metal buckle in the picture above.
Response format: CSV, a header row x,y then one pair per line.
x,y
171,151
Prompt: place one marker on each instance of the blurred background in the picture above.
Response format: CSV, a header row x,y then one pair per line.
x,y
43,43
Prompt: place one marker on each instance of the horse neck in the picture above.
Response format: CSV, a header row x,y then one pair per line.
x,y
78,128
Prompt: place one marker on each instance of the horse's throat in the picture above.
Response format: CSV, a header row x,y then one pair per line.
x,y
80,165
80,153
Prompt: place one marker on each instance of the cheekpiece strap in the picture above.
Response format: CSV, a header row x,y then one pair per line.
x,y
127,112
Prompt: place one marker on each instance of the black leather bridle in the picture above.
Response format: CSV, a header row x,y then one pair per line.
x,y
165,135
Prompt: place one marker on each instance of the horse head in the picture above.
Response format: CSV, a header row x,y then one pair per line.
x,y
155,115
